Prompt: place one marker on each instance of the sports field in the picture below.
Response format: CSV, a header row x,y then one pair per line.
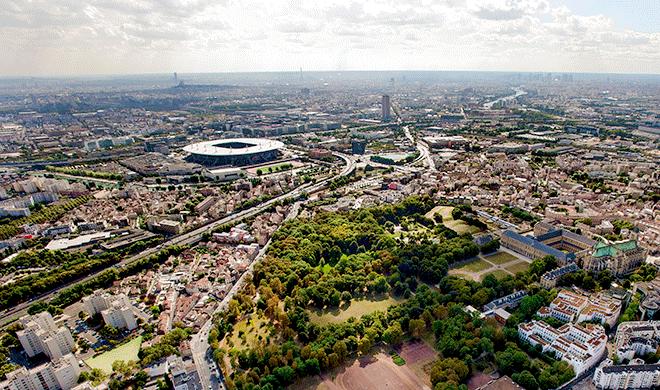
x,y
126,352
371,372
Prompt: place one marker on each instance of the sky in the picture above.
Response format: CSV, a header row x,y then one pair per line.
x,y
97,37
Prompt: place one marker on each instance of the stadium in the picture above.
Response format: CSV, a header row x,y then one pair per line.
x,y
235,151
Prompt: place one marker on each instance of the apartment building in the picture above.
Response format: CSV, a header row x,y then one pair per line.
x,y
635,375
115,309
59,374
581,347
571,307
551,278
636,338
41,335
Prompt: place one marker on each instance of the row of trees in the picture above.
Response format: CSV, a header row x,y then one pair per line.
x,y
10,228
104,279
523,215
85,173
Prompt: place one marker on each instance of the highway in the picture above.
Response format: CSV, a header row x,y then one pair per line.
x,y
190,238
424,154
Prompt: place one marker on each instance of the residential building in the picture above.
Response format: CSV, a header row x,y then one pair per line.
x,y
184,375
319,153
570,307
551,278
508,301
635,375
59,374
170,227
636,338
115,309
206,204
41,335
581,347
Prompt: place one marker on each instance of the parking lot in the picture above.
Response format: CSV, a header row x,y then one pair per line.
x,y
84,332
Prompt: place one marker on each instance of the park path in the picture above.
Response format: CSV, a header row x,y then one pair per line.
x,y
476,276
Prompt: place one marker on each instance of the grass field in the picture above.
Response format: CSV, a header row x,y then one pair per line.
x,y
474,266
445,211
326,269
247,332
356,309
275,166
461,227
464,276
501,258
520,267
126,352
499,274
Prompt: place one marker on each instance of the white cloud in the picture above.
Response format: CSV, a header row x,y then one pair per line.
x,y
43,37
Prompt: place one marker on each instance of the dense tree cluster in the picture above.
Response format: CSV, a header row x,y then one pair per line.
x,y
71,267
459,213
330,260
490,247
525,216
166,346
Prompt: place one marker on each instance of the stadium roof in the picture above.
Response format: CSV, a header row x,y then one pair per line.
x,y
234,147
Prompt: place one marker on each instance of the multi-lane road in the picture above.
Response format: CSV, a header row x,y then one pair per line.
x,y
189,238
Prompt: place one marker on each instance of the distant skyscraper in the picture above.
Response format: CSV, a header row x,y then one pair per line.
x,y
386,107
358,146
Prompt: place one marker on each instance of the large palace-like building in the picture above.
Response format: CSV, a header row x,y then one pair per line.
x,y
620,258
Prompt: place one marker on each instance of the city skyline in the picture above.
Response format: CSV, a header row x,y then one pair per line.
x,y
79,37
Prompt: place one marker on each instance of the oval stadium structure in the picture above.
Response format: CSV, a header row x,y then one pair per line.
x,y
234,151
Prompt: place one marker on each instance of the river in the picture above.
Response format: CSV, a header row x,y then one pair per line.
x,y
518,92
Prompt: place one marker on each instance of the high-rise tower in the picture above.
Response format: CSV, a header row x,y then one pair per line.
x,y
386,107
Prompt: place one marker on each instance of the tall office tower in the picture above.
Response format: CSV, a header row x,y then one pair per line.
x,y
386,107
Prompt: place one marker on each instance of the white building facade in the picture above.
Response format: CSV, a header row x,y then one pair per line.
x,y
60,374
41,335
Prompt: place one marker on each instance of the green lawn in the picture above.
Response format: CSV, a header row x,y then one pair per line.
x,y
499,274
464,276
326,269
474,266
445,212
460,227
520,267
357,309
126,352
247,332
501,258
